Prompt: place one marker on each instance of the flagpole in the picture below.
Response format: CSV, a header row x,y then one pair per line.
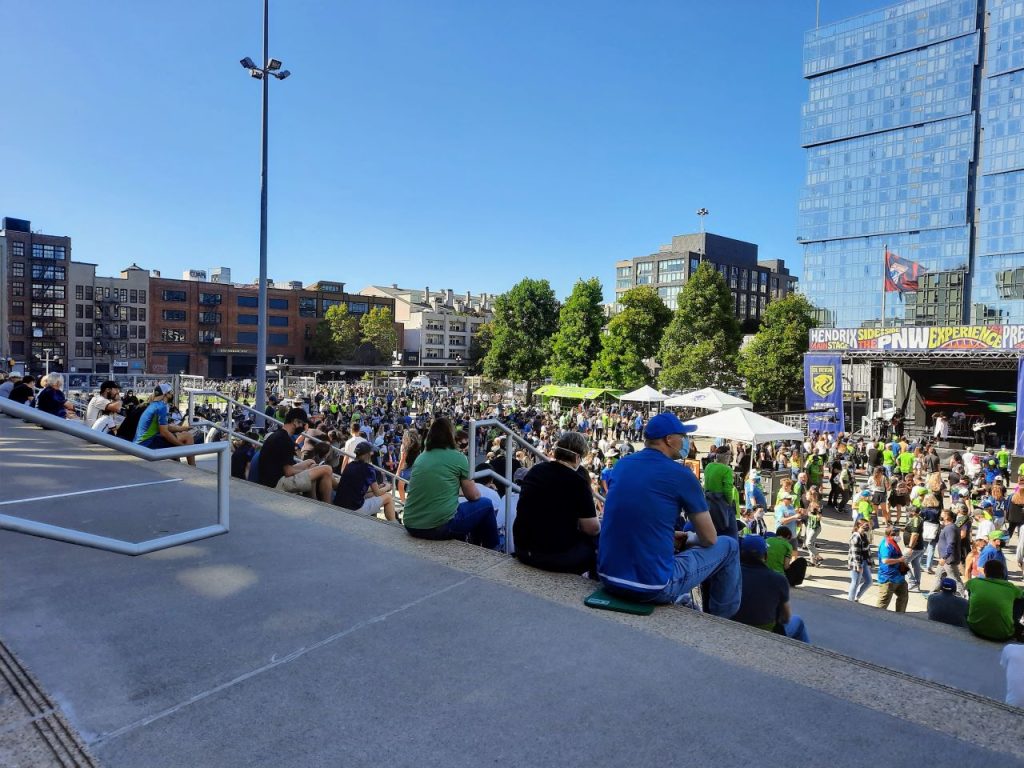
x,y
885,269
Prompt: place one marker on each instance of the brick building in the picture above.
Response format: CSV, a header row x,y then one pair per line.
x,y
209,328
33,296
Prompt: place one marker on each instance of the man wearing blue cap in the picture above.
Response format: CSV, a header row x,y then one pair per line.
x,y
641,556
765,593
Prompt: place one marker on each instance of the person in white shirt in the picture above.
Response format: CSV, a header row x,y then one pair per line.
x,y
104,409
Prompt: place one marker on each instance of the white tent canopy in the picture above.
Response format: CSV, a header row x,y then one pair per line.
x,y
743,425
710,398
646,394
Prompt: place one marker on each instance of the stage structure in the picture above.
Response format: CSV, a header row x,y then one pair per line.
x,y
939,368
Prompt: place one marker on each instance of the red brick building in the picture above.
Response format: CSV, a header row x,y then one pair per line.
x,y
210,329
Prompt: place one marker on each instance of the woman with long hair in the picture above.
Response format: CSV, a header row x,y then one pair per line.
x,y
432,508
411,448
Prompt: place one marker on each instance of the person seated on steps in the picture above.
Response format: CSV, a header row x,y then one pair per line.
x,y
764,600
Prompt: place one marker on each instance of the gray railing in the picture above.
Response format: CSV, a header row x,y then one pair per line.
x,y
79,430
517,440
227,428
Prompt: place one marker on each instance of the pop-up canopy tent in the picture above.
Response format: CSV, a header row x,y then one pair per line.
x,y
743,425
646,394
575,393
710,398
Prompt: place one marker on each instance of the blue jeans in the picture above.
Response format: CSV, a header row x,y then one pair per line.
x,y
860,582
474,521
796,629
719,565
929,556
914,557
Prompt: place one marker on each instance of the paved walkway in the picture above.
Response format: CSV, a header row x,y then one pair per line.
x,y
308,636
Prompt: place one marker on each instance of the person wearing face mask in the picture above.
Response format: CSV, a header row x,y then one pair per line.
x,y
556,524
277,467
641,556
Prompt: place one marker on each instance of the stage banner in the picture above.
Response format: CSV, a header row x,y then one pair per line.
x,y
1018,448
823,388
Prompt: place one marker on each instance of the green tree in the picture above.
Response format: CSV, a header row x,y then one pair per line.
x,y
378,328
700,346
337,335
577,342
525,318
632,337
323,347
479,346
772,363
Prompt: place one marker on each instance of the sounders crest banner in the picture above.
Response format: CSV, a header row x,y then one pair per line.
x,y
823,388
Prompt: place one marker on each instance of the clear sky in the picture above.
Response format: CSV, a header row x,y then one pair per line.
x,y
457,144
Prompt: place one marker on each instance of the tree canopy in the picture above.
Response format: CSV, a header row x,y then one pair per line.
x,y
378,328
577,341
700,346
525,318
772,363
632,337
336,336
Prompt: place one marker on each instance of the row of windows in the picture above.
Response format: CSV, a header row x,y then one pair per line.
x,y
179,335
1005,44
51,252
40,328
846,275
1003,119
307,305
861,198
134,296
134,314
885,32
917,87
119,349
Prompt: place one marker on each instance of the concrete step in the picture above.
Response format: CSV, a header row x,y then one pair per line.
x,y
311,636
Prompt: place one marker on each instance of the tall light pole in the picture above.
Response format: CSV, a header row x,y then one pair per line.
x,y
701,213
271,68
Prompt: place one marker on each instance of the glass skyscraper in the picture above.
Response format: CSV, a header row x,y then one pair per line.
x,y
913,131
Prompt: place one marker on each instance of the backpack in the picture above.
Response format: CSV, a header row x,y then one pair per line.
x,y
130,425
723,513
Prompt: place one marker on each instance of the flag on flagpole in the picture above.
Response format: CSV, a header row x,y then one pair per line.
x,y
901,275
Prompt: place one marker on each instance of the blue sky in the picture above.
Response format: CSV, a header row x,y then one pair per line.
x,y
458,144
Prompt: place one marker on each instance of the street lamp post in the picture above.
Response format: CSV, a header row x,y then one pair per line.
x,y
47,359
271,68
280,360
701,213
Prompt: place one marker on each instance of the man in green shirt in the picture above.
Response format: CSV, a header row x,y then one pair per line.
x,y
906,462
1003,459
996,606
780,557
888,460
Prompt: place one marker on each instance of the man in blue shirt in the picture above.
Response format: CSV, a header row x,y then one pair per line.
x,y
641,556
155,432
993,550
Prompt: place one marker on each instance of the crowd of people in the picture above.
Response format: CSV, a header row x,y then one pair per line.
x,y
616,495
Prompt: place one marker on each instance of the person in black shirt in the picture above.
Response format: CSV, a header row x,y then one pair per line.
x,y
23,391
556,524
764,600
358,490
277,467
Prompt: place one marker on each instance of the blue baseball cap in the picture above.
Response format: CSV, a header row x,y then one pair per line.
x,y
754,544
665,424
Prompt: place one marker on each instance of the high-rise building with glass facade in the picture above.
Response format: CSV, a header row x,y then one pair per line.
x,y
914,131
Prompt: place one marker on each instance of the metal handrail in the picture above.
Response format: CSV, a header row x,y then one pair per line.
x,y
227,429
507,479
80,430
